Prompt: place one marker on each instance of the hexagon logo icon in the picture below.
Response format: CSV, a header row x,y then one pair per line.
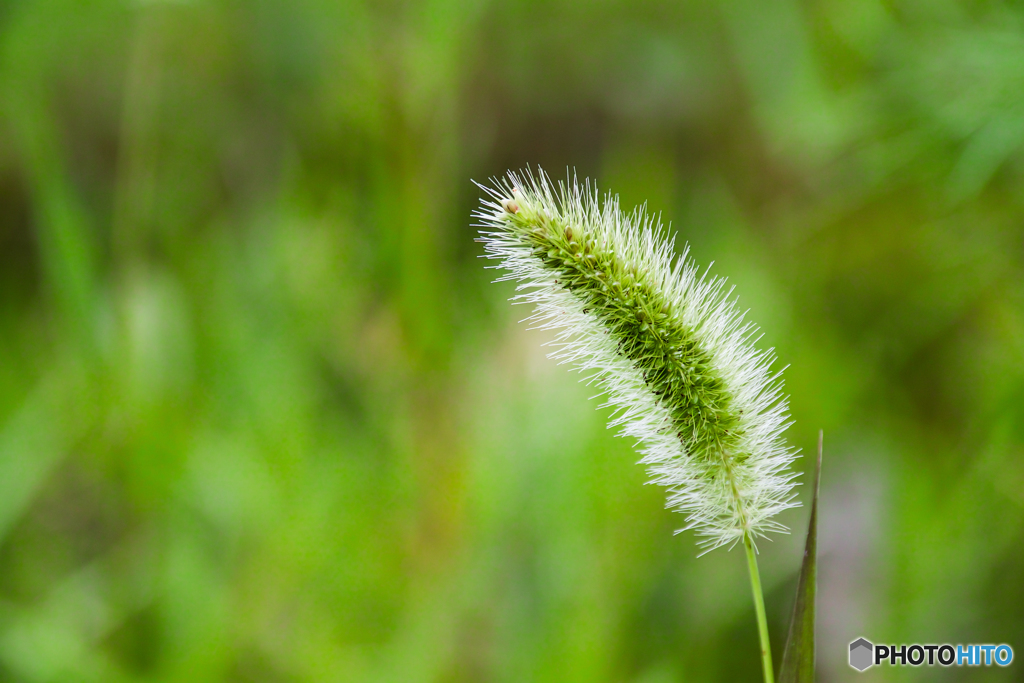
x,y
861,654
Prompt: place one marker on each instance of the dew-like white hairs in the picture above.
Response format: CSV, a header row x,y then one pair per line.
x,y
667,346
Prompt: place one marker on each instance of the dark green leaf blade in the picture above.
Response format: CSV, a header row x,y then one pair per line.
x,y
798,657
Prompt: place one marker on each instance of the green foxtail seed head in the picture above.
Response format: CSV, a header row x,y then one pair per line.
x,y
667,346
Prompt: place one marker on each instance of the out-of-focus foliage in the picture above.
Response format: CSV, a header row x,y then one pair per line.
x,y
263,417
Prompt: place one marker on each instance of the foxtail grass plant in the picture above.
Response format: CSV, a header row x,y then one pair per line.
x,y
668,347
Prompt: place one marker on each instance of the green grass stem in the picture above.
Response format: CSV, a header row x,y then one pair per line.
x,y
762,621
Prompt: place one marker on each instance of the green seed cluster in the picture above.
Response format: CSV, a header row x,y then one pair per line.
x,y
641,320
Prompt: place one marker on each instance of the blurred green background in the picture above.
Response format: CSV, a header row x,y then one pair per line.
x,y
263,417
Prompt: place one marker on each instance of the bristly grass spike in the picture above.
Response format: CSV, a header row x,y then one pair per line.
x,y
667,346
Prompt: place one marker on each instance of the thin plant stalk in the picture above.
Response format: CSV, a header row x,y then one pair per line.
x,y
762,621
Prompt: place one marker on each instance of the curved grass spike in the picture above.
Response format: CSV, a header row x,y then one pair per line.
x,y
666,344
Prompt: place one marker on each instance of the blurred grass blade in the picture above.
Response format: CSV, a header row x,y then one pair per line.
x,y
798,658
